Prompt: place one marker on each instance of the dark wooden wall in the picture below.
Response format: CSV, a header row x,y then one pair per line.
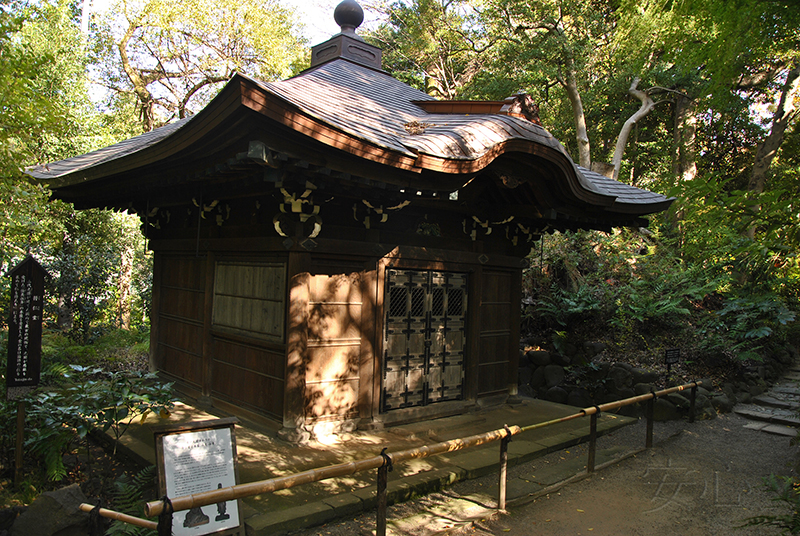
x,y
179,282
297,336
497,331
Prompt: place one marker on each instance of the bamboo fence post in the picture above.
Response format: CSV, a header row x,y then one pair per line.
x,y
592,443
503,473
650,407
383,481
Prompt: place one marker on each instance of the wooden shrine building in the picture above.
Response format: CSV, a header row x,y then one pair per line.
x,y
339,249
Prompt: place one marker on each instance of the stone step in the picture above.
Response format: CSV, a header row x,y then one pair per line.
x,y
788,390
779,401
775,429
770,415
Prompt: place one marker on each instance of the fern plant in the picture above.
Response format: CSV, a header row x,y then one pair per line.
x,y
787,491
130,494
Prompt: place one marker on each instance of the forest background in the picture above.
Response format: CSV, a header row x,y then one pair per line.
x,y
693,99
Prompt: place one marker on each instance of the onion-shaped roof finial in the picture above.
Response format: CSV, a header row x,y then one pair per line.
x,y
349,16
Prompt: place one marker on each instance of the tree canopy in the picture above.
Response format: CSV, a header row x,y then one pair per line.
x,y
696,99
170,58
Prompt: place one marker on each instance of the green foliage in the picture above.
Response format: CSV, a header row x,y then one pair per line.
x,y
130,494
87,398
786,491
634,290
56,420
117,399
720,218
663,299
72,400
563,307
744,325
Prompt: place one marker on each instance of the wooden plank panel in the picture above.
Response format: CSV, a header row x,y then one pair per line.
x,y
252,358
334,346
264,281
333,362
496,287
182,303
182,365
494,348
492,379
250,316
184,272
261,393
495,332
249,299
496,317
334,321
339,288
183,335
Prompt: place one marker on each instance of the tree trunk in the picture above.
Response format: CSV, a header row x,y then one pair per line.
x,y
622,140
143,95
124,285
767,150
684,137
581,134
684,153
769,147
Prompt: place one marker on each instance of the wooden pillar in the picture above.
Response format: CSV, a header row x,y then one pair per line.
x,y
516,320
296,343
155,306
371,333
208,341
473,333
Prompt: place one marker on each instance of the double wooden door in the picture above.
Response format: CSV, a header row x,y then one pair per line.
x,y
424,338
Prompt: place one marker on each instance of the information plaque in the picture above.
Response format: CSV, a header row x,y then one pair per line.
x,y
25,328
672,356
197,457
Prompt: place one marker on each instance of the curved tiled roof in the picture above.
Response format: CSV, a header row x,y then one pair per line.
x,y
119,150
373,108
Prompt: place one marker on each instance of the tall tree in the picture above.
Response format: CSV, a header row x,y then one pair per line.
x,y
745,48
172,57
563,41
437,46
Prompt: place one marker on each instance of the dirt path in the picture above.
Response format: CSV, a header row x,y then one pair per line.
x,y
700,479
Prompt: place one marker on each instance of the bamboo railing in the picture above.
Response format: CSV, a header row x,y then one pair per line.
x,y
385,460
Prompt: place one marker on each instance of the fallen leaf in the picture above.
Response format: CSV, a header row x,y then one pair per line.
x,y
579,510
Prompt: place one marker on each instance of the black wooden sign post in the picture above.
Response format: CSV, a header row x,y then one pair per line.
x,y
671,357
24,341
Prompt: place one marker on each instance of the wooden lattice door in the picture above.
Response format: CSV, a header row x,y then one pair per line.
x,y
424,341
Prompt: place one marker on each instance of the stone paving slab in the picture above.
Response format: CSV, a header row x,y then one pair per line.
x,y
445,516
777,429
756,425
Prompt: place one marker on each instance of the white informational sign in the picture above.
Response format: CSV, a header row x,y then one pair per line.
x,y
195,462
